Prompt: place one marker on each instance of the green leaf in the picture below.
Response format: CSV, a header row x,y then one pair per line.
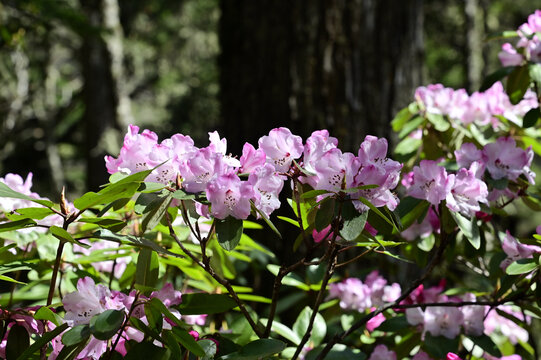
x,y
354,222
258,349
407,146
313,193
411,125
209,347
338,352
44,313
147,268
411,209
140,242
107,324
229,232
15,225
7,278
521,266
535,73
182,195
108,194
469,228
517,84
188,341
531,118
401,119
200,303
266,219
158,305
395,323
36,213
112,224
76,335
286,332
152,218
147,351
325,213
486,343
18,340
439,346
496,76
154,317
65,236
6,191
319,328
42,341
439,122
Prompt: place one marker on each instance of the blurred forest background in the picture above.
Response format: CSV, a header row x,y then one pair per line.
x,y
75,73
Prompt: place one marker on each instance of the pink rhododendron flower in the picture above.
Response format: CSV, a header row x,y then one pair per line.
x,y
505,160
429,225
119,264
474,317
267,185
506,327
466,193
469,154
251,158
204,166
375,321
421,355
509,56
381,352
316,145
281,148
168,295
443,321
430,182
453,356
229,195
195,319
515,250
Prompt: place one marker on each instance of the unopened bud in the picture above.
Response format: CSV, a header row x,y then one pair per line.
x,y
63,203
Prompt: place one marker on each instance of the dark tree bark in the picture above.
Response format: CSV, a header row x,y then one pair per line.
x,y
99,96
344,65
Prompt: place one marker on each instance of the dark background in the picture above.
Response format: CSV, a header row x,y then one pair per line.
x,y
74,73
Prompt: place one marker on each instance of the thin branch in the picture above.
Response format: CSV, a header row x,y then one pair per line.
x,y
356,257
205,265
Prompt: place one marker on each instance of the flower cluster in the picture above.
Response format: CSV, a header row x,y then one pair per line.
x,y
91,299
480,108
465,190
528,47
357,295
211,171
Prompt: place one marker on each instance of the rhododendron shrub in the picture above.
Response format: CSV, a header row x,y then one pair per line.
x,y
404,254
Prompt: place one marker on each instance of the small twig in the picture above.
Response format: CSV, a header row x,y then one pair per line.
x,y
356,257
132,308
205,265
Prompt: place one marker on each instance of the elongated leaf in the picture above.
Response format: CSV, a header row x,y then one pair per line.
x,y
107,324
319,328
325,214
469,228
496,76
258,349
42,341
517,84
200,303
354,222
18,340
229,232
209,347
147,268
136,241
16,225
36,213
531,118
147,351
8,279
153,218
107,223
401,119
108,194
6,191
521,266
154,317
188,341
44,313
313,193
486,343
266,219
158,305
76,335
438,121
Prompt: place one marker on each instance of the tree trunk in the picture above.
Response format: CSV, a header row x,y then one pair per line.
x,y
342,65
99,95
